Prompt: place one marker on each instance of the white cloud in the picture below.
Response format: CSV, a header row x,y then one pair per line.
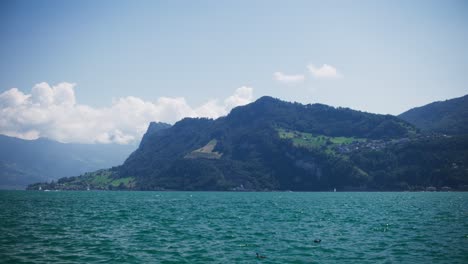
x,y
324,72
52,112
288,79
44,95
242,96
12,97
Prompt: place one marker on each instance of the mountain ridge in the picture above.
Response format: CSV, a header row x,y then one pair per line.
x,y
447,117
276,145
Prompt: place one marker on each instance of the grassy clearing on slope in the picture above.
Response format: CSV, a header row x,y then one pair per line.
x,y
102,180
127,182
308,140
205,151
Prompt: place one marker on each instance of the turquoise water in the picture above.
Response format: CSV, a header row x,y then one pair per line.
x,y
211,227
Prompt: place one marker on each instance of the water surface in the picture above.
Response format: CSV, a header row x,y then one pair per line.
x,y
215,227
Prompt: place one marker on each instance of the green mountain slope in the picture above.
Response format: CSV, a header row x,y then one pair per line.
x,y
448,117
276,145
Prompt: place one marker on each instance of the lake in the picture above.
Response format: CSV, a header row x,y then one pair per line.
x,y
231,227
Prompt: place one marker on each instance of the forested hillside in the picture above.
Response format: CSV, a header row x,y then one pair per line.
x,y
448,117
275,145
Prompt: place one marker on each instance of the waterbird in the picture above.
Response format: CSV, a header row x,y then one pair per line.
x,y
260,256
317,240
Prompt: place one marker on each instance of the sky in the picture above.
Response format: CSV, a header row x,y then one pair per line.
x,y
99,71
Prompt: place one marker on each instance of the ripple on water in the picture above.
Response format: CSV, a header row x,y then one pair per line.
x,y
180,227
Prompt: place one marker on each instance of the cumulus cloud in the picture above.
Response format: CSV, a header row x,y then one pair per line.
x,y
12,98
213,108
52,112
288,79
242,96
323,72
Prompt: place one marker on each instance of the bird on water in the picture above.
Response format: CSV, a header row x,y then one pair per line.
x,y
260,256
317,240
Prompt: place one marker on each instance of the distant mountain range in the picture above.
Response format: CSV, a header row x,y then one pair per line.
x,y
275,145
448,117
23,162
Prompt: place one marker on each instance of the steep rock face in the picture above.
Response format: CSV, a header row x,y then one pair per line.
x,y
448,117
159,149
153,128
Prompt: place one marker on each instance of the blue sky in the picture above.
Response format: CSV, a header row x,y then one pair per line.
x,y
389,56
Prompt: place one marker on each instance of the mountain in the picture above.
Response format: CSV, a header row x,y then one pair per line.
x,y
153,128
250,151
448,117
275,145
23,162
